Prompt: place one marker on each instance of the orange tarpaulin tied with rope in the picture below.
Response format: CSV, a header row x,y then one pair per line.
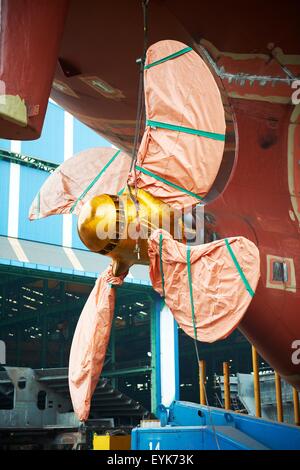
x,y
209,287
90,342
182,147
87,174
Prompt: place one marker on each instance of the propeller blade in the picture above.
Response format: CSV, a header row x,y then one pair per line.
x,y
209,287
90,173
90,342
182,147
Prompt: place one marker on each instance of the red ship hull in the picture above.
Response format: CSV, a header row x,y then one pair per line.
x,y
257,192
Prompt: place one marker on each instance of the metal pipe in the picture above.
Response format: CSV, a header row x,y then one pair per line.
x,y
243,77
226,385
202,380
256,383
278,397
296,407
156,306
32,162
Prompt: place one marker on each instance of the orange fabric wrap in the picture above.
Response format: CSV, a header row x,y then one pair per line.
x,y
70,180
90,342
219,294
182,92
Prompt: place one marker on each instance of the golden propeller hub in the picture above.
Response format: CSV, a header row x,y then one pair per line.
x,y
119,226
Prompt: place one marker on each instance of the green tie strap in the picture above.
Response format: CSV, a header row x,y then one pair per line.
x,y
169,57
186,130
94,180
161,263
188,259
238,267
163,180
121,191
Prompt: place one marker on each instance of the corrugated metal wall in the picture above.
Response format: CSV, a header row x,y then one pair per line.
x,y
62,137
4,195
50,146
47,230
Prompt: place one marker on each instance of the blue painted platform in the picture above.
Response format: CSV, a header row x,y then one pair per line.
x,y
189,426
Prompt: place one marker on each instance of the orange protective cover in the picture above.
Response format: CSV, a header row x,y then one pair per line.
x,y
180,91
69,181
90,342
219,294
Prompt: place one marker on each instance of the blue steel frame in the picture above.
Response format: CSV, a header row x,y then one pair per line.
x,y
159,303
189,426
157,375
176,355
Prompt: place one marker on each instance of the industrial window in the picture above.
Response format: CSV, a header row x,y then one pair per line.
x,y
280,271
22,383
41,400
7,392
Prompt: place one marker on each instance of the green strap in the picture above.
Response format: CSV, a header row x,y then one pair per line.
x,y
175,186
94,180
121,191
187,130
188,259
161,264
238,267
168,57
